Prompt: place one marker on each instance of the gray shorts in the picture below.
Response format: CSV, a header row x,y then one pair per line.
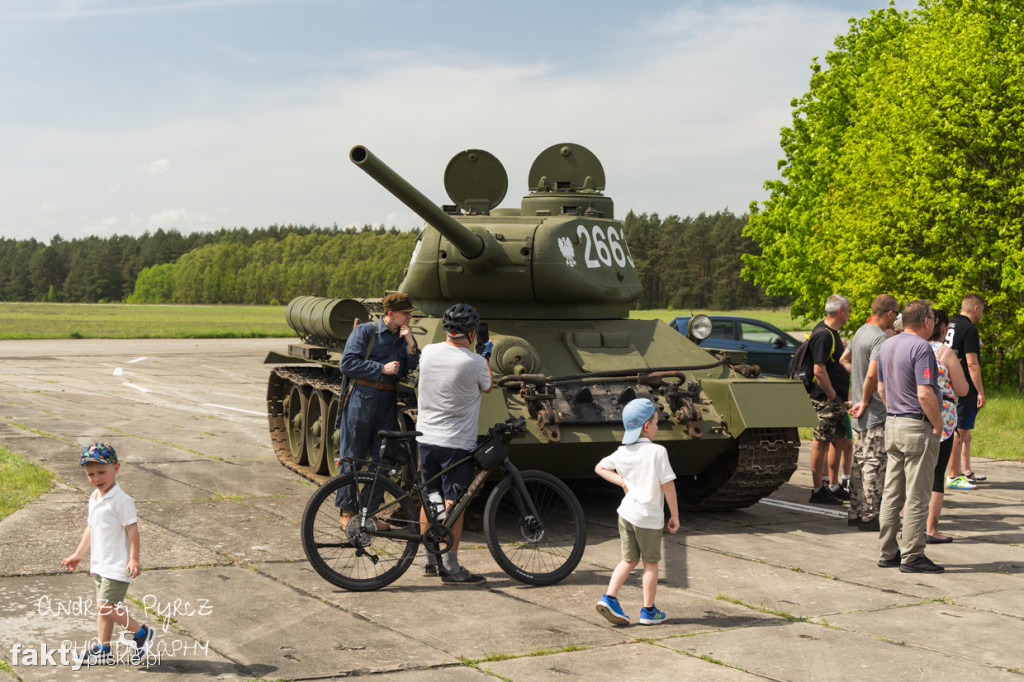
x,y
639,543
111,591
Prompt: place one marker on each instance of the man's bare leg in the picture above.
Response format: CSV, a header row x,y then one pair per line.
x,y
954,457
965,452
819,455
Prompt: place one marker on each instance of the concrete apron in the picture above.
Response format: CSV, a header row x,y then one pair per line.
x,y
770,592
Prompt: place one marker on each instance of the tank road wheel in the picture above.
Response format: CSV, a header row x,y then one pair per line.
x,y
333,435
758,464
316,436
294,409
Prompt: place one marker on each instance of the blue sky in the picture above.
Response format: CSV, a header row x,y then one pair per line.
x,y
121,116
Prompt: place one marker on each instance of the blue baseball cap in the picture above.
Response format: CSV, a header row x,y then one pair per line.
x,y
635,414
98,452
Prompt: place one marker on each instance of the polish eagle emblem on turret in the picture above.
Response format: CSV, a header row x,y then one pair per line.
x,y
565,246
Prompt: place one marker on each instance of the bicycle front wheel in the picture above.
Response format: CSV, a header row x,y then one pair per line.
x,y
535,550
356,558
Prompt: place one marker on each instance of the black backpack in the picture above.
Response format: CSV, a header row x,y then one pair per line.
x,y
803,362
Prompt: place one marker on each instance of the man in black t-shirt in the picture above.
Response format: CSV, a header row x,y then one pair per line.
x,y
829,393
962,337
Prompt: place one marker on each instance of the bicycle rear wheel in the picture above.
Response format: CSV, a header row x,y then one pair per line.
x,y
357,558
536,551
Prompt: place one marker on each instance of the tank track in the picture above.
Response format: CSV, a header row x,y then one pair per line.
x,y
310,377
763,460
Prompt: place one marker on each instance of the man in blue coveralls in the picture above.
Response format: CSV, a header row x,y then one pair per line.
x,y
377,355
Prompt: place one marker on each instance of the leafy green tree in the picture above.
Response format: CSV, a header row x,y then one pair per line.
x,y
154,284
904,170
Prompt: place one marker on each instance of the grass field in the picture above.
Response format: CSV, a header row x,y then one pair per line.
x,y
120,321
20,482
998,431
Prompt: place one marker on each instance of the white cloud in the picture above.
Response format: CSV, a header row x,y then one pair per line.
x,y
158,167
180,219
102,227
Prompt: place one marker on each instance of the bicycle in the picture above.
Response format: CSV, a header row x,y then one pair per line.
x,y
533,523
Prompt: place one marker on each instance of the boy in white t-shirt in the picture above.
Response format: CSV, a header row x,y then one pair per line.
x,y
112,534
643,470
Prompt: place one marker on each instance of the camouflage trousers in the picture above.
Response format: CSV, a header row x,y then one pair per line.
x,y
867,477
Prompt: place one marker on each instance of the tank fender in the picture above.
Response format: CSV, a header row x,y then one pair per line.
x,y
760,404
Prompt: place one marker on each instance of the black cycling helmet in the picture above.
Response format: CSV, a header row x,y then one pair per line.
x,y
460,319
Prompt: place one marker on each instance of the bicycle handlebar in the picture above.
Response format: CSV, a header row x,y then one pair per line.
x,y
510,428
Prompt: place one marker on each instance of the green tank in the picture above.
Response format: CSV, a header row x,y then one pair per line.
x,y
554,280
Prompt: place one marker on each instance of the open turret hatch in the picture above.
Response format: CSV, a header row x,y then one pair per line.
x,y
566,168
476,181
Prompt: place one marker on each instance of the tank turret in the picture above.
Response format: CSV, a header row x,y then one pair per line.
x,y
561,255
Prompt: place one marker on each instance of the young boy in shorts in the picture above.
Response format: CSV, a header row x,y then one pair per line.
x,y
113,534
643,471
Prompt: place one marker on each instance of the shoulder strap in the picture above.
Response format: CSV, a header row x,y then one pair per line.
x,y
832,334
346,383
373,340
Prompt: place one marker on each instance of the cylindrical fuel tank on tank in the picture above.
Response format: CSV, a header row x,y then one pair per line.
x,y
328,318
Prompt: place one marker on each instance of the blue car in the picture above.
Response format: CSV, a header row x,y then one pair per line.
x,y
765,344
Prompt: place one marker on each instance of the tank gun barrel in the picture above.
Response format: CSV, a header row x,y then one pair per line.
x,y
468,243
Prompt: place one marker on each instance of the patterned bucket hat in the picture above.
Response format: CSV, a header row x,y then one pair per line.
x,y
98,452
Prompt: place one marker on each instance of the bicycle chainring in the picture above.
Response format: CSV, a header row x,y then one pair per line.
x,y
438,539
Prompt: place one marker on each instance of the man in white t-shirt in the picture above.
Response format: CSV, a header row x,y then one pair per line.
x,y
452,379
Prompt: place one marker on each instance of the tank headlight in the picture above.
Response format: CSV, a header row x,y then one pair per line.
x,y
699,327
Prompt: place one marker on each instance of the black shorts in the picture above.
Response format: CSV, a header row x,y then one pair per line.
x,y
434,458
966,411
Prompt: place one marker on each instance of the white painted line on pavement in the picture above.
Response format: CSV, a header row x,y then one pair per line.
x,y
137,388
132,362
805,508
236,409
117,371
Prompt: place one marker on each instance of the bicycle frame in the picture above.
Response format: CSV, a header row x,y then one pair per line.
x,y
460,506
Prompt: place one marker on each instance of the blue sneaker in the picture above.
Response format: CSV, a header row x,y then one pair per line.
x,y
651,616
95,655
610,609
143,642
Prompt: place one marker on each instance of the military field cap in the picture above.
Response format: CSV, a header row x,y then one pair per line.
x,y
98,452
398,303
636,413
